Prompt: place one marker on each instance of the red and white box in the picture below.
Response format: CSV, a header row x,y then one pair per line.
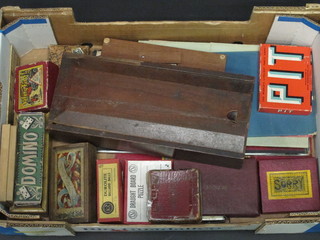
x,y
285,79
136,189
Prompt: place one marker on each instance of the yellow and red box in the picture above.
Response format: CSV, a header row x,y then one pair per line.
x,y
34,86
110,193
285,79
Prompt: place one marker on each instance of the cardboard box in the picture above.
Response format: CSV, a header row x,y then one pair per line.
x,y
253,31
34,86
109,191
73,199
285,85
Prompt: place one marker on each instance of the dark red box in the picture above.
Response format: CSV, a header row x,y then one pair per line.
x,y
227,191
34,86
289,185
174,196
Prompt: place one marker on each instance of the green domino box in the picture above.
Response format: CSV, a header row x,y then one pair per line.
x,y
30,155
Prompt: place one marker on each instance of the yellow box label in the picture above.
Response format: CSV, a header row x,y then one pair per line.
x,y
289,184
108,191
31,90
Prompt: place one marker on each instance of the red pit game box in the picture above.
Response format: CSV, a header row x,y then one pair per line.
x,y
285,79
34,86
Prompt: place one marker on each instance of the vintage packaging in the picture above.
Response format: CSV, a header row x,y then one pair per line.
x,y
109,190
72,185
289,185
174,196
56,51
30,156
227,191
285,79
34,86
135,188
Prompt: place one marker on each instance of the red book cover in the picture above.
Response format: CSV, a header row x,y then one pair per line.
x,y
285,79
109,191
136,190
227,191
289,185
34,86
174,196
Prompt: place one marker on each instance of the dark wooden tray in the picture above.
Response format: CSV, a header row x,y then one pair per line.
x,y
182,108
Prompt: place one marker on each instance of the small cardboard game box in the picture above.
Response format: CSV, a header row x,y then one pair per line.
x,y
34,86
285,79
109,190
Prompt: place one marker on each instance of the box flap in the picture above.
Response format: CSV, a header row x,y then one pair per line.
x,y
28,34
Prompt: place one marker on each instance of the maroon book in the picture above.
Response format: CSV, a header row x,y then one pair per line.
x,y
289,185
227,191
174,196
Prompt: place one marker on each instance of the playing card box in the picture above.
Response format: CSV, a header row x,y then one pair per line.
x,y
285,79
28,189
174,196
135,188
73,183
34,86
109,190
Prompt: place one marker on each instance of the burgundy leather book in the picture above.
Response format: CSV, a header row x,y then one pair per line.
x,y
227,191
174,196
289,185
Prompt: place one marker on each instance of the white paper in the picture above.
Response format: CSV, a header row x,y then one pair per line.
x,y
28,34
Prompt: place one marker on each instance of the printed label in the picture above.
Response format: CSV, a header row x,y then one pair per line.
x,y
29,171
69,183
31,90
285,79
289,184
137,188
108,190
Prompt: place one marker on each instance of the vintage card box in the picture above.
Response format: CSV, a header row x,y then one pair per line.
x,y
121,49
109,190
135,188
174,196
30,159
226,191
289,185
177,105
34,86
73,183
285,79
